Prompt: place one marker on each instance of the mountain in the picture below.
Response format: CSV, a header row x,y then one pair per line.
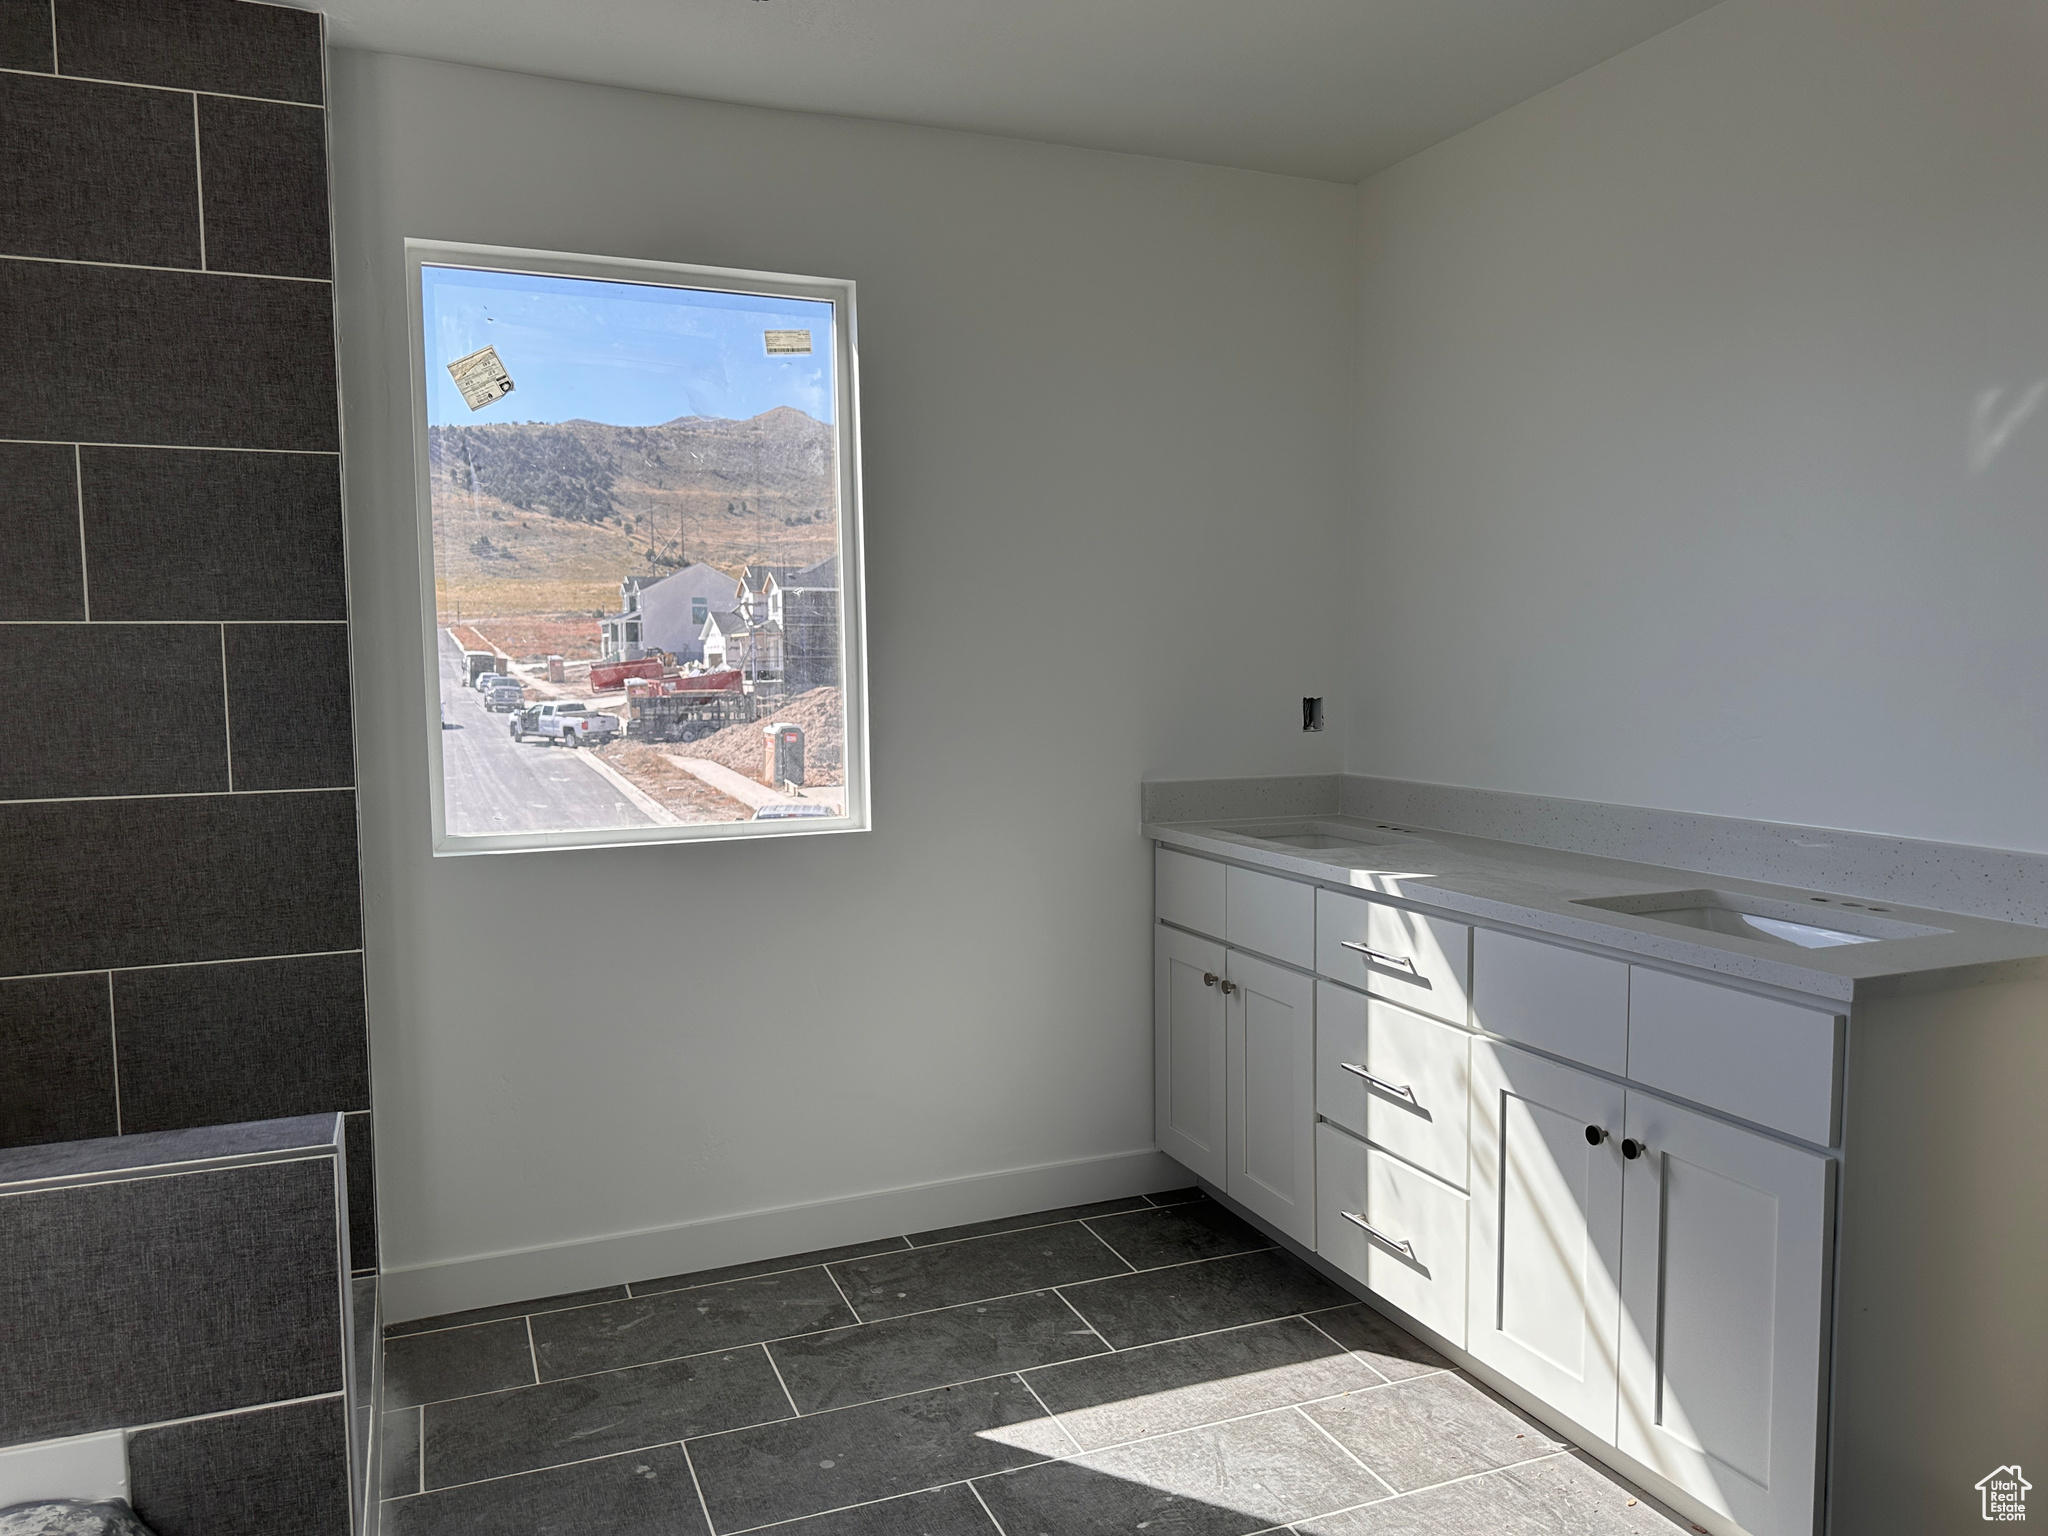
x,y
587,503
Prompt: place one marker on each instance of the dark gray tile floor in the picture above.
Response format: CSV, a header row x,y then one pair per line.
x,y
1145,1364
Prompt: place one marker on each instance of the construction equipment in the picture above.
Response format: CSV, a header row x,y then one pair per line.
x,y
688,706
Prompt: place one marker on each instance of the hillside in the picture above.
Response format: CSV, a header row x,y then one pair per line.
x,y
547,517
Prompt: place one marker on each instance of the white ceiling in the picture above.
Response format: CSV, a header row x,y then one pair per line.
x,y
1335,89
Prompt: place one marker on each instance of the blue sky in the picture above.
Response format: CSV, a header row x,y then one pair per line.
x,y
630,354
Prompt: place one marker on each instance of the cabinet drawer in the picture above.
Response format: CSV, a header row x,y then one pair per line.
x,y
1560,1000
1754,1057
1270,916
1419,961
1418,1105
1188,892
1427,1280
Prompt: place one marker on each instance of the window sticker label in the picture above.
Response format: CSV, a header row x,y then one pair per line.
x,y
482,378
787,343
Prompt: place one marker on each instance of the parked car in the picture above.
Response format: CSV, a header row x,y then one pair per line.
x,y
572,725
793,810
501,694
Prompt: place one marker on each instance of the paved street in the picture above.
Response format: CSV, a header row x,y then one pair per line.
x,y
495,784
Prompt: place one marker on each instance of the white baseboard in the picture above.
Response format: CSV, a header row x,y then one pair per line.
x,y
492,1279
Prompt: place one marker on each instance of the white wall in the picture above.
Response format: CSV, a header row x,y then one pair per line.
x,y
1107,407
1695,460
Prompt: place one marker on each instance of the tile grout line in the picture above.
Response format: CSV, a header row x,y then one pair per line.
x,y
420,1443
1127,1264
113,1032
1356,1460
532,1355
992,1520
780,1382
697,1483
1058,1422
1111,1348
634,1294
840,1509
143,266
181,794
56,64
165,623
236,1413
66,442
199,179
500,1477
1383,1376
1035,1226
78,481
173,965
144,85
1068,1457
227,709
941,1386
1058,1290
848,1300
1452,1482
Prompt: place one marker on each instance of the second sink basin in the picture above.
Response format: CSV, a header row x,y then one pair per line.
x,y
1837,920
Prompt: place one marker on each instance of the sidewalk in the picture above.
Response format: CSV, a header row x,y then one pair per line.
x,y
751,792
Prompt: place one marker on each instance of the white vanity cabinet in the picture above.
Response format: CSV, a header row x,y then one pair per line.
x,y
1773,1254
1485,1130
1724,1281
1189,1071
1234,1035
1546,1229
1393,1228
1270,1124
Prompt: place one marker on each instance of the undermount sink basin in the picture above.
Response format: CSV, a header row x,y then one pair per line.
x,y
1821,922
1317,836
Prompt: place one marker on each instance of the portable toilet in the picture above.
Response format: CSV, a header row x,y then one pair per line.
x,y
785,753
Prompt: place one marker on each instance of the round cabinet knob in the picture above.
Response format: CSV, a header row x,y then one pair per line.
x,y
1229,987
1594,1135
1209,978
1632,1149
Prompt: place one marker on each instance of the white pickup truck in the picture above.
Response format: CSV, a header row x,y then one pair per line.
x,y
573,725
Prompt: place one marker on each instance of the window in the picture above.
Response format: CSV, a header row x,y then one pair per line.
x,y
591,429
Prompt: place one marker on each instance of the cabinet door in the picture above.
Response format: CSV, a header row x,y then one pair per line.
x,y
1724,1314
1546,1229
1189,1078
1271,1018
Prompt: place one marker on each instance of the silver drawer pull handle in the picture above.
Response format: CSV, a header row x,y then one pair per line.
x,y
1372,1231
1401,961
1399,1090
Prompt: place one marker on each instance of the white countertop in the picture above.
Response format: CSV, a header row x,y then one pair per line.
x,y
1517,885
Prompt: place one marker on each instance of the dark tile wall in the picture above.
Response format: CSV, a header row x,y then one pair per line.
x,y
27,35
57,1067
43,576
143,1300
245,1474
180,931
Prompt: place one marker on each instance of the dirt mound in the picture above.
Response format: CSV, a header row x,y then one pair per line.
x,y
680,791
819,711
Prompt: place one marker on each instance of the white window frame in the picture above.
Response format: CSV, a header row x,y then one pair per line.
x,y
852,606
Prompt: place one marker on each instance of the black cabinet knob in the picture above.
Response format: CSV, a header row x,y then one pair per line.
x,y
1631,1148
1594,1135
